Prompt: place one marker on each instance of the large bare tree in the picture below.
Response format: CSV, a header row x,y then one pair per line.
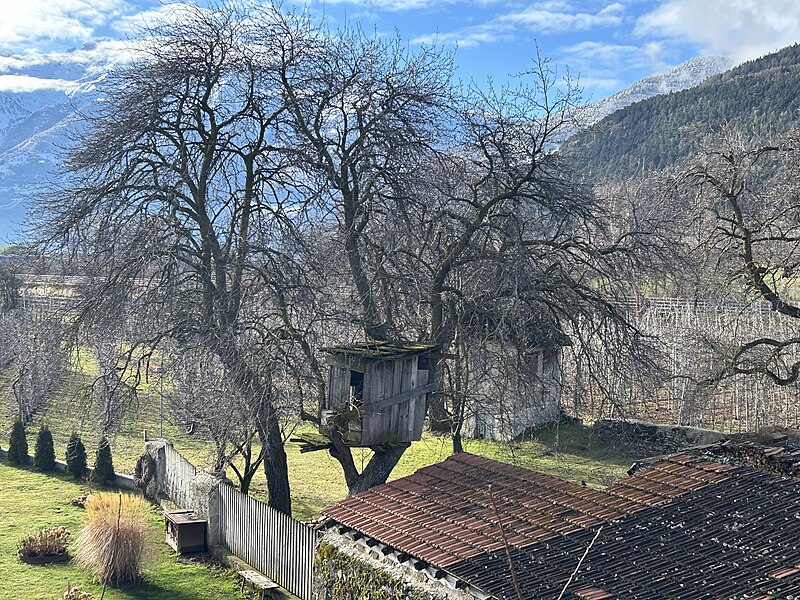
x,y
746,190
174,193
451,215
253,186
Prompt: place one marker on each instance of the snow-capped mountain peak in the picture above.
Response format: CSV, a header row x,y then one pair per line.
x,y
686,75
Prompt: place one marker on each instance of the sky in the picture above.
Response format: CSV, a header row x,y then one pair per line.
x,y
605,44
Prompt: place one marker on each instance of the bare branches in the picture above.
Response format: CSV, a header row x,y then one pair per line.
x,y
749,193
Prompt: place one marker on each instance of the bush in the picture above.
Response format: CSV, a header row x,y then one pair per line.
x,y
75,594
18,445
103,465
113,543
51,541
44,457
76,456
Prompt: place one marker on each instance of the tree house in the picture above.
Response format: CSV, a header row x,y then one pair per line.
x,y
377,392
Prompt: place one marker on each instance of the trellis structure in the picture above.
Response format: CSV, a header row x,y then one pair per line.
x,y
695,337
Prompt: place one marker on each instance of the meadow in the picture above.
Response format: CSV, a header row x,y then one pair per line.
x,y
316,480
31,501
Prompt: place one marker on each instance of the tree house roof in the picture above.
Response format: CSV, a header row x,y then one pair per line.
x,y
375,350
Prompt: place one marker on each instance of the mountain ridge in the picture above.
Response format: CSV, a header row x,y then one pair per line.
x,y
664,130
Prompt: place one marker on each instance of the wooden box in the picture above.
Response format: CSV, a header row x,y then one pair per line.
x,y
185,532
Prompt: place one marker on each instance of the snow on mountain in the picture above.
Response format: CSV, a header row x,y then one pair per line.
x,y
686,75
39,103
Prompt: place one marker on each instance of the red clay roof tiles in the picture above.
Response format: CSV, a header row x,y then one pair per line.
x,y
681,528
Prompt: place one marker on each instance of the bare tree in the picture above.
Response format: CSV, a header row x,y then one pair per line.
x,y
252,185
10,285
453,215
748,192
174,193
39,360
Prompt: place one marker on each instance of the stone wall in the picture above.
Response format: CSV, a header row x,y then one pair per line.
x,y
650,439
346,569
151,478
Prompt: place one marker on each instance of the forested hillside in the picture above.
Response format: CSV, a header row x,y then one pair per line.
x,y
760,95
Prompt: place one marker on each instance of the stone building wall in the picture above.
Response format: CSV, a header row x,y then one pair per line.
x,y
345,569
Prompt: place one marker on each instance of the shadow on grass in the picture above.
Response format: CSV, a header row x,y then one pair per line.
x,y
152,591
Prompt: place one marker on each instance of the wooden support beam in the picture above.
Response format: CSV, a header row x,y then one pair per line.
x,y
374,407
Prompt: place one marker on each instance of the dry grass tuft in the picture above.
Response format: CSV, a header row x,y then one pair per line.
x,y
114,541
51,541
76,594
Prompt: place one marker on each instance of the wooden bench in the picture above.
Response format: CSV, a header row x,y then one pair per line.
x,y
258,582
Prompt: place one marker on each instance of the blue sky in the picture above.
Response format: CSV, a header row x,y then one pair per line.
x,y
607,43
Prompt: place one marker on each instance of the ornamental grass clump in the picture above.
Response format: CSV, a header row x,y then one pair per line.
x,y
51,541
114,541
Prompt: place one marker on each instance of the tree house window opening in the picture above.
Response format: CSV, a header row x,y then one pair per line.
x,y
356,390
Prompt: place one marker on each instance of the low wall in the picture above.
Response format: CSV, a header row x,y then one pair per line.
x,y
346,569
651,439
121,481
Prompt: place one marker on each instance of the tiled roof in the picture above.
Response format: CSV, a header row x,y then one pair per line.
x,y
680,528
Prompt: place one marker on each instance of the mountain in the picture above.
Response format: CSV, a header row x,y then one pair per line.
x,y
759,96
39,106
686,75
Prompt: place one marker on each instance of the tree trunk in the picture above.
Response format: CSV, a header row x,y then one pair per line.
x,y
248,384
440,419
375,473
276,469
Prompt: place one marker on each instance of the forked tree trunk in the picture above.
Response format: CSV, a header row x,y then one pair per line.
x,y
375,473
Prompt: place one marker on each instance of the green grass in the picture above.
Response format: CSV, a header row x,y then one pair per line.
x,y
31,501
316,479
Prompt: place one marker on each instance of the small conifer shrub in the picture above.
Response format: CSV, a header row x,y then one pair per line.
x,y
44,457
18,445
76,456
103,465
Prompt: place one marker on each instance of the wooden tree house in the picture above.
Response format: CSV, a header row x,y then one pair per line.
x,y
377,392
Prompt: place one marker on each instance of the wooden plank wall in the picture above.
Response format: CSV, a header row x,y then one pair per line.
x,y
398,422
275,544
179,472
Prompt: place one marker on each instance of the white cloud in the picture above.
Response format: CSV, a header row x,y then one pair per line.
x,y
599,64
549,16
401,5
95,55
559,16
24,83
741,29
23,22
465,38
165,14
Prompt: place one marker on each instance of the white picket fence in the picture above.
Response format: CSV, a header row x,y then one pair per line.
x,y
179,473
271,542
277,545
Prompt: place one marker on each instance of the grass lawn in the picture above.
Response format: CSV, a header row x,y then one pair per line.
x,y
316,479
30,501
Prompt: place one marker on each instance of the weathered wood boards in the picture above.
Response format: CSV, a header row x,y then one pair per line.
x,y
377,393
